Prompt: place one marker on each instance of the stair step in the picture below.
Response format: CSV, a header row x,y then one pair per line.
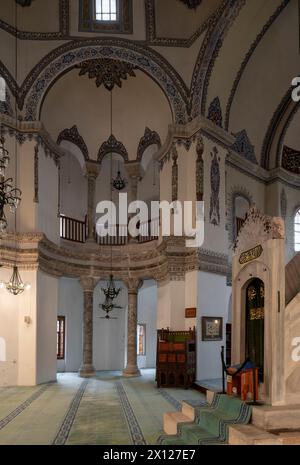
x,y
249,435
171,420
188,410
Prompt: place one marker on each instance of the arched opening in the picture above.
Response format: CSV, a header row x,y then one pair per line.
x,y
255,324
241,206
297,231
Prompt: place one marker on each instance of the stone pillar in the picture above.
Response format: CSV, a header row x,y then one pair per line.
x,y
87,368
131,367
92,171
133,170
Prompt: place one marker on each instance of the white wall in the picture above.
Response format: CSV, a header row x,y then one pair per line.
x,y
70,305
73,188
213,298
48,221
47,296
147,314
110,336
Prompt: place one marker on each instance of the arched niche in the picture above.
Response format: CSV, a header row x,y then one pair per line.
x,y
260,254
73,183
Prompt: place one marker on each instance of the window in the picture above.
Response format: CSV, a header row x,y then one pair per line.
x,y
297,231
141,339
106,10
60,344
2,89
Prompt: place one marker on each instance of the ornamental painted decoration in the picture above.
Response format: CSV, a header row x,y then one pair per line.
x,y
215,181
215,112
149,138
72,135
291,160
107,71
200,170
244,147
112,145
191,3
251,255
174,174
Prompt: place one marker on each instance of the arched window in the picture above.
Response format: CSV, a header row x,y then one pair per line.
x,y
106,10
297,231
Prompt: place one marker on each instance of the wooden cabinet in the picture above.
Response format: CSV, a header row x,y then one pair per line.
x,y
176,358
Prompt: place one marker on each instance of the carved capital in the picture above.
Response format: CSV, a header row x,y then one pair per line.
x,y
88,283
92,170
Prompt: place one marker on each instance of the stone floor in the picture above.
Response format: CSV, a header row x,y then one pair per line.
x,y
107,409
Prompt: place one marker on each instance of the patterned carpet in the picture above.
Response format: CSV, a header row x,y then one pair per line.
x,y
107,409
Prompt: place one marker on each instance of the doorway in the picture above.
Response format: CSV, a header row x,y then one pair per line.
x,y
255,324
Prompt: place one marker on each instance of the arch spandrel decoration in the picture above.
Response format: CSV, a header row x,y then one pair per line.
x,y
258,228
72,135
72,54
112,145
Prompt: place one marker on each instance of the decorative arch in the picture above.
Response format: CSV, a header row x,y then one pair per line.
x,y
279,124
149,138
236,191
112,145
72,135
67,56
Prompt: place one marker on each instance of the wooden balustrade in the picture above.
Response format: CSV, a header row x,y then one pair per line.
x,y
72,229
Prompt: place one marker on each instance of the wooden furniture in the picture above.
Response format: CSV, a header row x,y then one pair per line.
x,y
228,344
176,358
242,384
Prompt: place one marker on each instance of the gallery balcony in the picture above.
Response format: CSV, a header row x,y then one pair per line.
x,y
74,230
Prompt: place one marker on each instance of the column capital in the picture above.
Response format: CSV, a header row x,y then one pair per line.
x,y
88,283
133,169
132,284
92,169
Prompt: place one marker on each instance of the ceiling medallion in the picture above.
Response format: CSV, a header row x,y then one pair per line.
x,y
106,71
191,3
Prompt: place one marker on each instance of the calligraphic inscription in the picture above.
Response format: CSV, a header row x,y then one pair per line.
x,y
251,255
190,312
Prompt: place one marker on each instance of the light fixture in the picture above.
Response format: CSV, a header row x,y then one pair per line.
x,y
119,183
111,293
15,285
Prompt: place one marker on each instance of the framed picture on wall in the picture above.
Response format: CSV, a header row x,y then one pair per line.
x,y
212,328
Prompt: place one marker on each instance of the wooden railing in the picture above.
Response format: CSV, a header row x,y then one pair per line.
x,y
118,236
72,229
76,231
149,231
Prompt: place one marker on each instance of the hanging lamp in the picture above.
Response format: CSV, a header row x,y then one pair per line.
x,y
110,292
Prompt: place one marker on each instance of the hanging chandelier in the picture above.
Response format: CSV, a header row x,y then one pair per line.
x,y
119,183
15,285
111,293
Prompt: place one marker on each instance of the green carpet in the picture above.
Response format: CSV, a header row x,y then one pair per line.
x,y
211,425
106,409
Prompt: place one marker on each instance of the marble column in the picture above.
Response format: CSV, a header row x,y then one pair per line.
x,y
87,368
92,171
131,367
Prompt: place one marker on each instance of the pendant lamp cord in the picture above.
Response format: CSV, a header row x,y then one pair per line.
x,y
16,116
111,168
